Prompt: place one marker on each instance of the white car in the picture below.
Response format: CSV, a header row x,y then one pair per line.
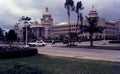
x,y
37,43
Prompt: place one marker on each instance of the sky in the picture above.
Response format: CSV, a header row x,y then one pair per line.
x,y
12,10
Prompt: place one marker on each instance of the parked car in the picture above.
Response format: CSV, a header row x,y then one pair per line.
x,y
37,43
65,42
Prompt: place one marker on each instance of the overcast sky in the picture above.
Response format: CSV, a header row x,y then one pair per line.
x,y
11,10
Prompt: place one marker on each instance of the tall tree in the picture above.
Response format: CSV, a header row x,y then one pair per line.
x,y
69,5
92,28
6,36
12,36
1,35
79,7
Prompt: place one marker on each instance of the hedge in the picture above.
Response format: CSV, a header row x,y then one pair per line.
x,y
114,41
16,52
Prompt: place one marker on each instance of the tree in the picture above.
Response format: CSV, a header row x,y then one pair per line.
x,y
12,36
1,35
92,28
69,5
79,7
6,36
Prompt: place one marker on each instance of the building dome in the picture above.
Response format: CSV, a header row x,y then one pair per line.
x,y
46,13
62,23
35,25
35,22
93,12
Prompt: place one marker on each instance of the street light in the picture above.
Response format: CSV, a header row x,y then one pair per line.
x,y
104,36
25,20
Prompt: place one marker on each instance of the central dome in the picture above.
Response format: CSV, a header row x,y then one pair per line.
x,y
93,12
46,13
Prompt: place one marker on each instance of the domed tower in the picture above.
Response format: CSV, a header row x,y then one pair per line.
x,y
47,18
47,22
93,12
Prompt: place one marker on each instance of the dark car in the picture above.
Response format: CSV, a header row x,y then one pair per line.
x,y
65,42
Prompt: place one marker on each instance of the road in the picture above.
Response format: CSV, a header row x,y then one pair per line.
x,y
82,53
94,54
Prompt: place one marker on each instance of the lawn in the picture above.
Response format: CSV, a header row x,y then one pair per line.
x,y
57,65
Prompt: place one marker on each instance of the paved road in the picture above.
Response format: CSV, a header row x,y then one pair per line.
x,y
95,54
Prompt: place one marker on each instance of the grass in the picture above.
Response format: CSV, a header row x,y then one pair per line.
x,y
58,65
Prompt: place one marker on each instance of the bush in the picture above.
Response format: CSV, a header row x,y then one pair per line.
x,y
114,41
15,52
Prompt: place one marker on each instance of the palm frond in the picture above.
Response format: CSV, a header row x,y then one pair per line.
x,y
92,27
98,29
84,28
69,3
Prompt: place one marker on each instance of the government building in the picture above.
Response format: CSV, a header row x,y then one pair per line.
x,y
43,30
47,30
110,30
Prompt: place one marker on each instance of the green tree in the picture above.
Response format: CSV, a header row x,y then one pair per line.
x,y
92,28
12,36
69,5
1,35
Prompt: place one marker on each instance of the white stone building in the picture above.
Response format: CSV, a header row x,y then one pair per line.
x,y
43,30
110,31
118,27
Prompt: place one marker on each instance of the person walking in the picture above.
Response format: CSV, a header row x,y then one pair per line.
x,y
53,42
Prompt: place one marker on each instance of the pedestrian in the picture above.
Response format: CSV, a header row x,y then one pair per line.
x,y
53,42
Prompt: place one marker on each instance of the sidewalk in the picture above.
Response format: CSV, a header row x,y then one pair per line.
x,y
80,56
96,43
82,53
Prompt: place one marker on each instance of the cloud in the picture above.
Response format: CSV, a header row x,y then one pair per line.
x,y
11,10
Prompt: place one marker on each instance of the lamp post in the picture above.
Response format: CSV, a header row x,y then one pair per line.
x,y
104,36
25,20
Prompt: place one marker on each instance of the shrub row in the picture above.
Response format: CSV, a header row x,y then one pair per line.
x,y
16,52
114,41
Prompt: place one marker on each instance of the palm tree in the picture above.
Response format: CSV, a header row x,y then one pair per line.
x,y
92,28
79,7
79,14
69,5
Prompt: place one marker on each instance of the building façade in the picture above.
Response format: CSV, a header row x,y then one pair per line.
x,y
46,30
